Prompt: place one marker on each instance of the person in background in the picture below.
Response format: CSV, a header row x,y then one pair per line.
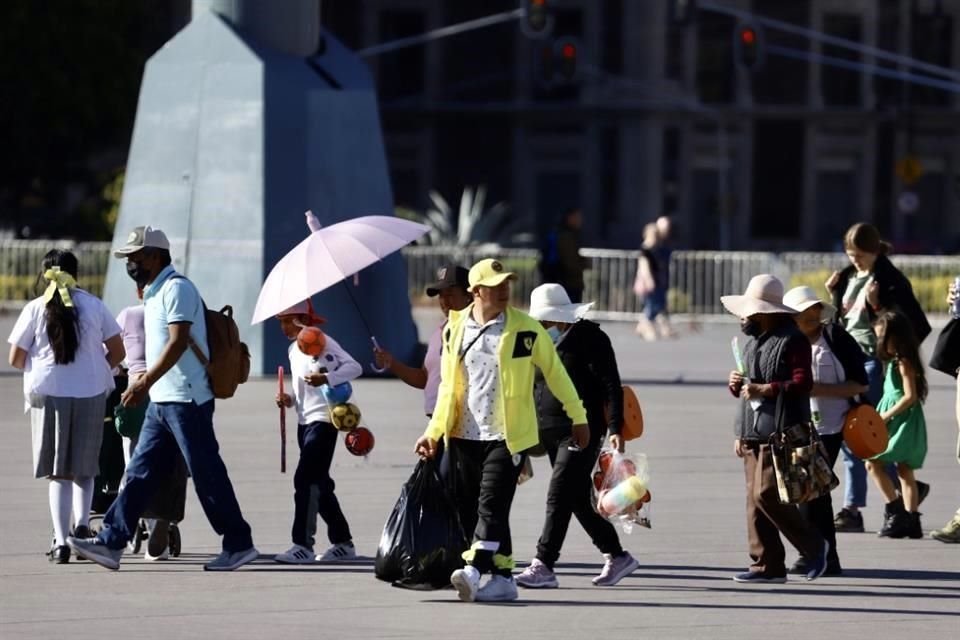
x,y
485,411
651,285
452,293
58,342
777,363
561,262
588,357
869,285
839,375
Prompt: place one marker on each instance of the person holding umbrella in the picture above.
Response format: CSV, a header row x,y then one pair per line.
x,y
485,412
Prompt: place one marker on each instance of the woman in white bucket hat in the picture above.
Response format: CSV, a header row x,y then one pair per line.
x,y
776,362
588,357
839,374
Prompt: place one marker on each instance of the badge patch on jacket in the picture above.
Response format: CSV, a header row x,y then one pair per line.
x,y
523,347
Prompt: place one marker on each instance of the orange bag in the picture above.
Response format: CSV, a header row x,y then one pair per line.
x,y
632,426
865,432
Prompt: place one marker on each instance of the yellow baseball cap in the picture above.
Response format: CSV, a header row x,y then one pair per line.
x,y
489,273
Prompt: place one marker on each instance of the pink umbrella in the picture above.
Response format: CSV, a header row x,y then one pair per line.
x,y
328,256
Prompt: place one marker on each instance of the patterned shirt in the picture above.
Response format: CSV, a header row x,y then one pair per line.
x,y
481,415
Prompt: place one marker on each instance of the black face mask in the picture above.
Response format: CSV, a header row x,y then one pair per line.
x,y
139,275
750,328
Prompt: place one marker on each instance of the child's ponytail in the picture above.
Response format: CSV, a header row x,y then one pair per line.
x,y
58,276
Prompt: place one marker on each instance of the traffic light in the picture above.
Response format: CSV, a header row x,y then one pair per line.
x,y
537,18
557,62
683,12
748,46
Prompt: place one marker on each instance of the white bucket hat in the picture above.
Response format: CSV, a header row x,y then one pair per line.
x,y
764,294
551,303
802,298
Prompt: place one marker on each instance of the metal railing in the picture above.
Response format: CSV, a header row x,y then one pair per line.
x,y
697,278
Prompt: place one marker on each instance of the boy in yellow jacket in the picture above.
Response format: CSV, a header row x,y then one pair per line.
x,y
485,410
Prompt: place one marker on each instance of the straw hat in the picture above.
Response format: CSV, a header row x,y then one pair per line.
x,y
802,298
551,303
764,294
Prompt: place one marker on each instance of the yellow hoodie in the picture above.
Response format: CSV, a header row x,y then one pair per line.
x,y
524,345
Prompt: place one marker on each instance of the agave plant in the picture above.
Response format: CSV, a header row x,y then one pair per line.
x,y
473,225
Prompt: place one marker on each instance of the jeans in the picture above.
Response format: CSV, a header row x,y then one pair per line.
x,y
313,487
167,427
855,475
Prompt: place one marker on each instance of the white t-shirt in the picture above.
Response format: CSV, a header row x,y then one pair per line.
x,y
340,366
89,374
828,370
481,416
431,362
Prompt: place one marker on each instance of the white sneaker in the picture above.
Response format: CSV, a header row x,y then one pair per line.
x,y
467,583
164,555
297,554
616,569
538,576
338,553
498,589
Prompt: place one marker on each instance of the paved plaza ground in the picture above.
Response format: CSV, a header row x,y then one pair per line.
x,y
683,588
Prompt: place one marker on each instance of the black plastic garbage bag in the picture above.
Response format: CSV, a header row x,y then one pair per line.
x,y
422,541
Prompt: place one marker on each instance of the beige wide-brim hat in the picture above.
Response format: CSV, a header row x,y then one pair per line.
x,y
802,298
550,302
764,294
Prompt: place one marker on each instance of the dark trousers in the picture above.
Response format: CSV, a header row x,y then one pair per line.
x,y
167,427
570,494
819,512
313,487
767,517
485,481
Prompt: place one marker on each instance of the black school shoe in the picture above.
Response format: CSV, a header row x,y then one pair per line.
x,y
800,568
847,521
59,554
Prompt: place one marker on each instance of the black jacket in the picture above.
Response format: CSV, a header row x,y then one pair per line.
x,y
588,356
896,292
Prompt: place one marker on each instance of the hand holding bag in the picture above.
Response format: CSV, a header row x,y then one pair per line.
x,y
800,461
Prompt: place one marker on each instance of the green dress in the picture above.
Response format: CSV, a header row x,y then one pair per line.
x,y
908,431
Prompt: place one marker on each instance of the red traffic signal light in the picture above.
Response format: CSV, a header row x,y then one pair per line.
x,y
747,45
566,53
537,18
557,62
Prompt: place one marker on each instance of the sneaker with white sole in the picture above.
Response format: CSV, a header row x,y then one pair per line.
x,y
164,555
95,551
467,582
232,560
297,554
538,576
338,553
616,569
498,589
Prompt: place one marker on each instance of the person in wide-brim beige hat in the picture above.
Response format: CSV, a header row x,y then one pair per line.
x,y
802,298
764,295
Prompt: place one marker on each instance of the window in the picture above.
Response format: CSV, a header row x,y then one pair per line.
x,y
675,57
932,41
837,207
400,73
887,90
841,87
715,78
778,147
610,174
670,175
783,80
612,39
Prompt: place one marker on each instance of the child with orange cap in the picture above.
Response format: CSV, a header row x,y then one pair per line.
x,y
317,439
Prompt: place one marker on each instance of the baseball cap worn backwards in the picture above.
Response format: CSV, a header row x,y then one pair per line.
x,y
141,238
489,273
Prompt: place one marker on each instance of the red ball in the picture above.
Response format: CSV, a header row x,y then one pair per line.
x,y
359,441
311,341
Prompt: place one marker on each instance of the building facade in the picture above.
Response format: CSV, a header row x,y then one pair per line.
x,y
662,119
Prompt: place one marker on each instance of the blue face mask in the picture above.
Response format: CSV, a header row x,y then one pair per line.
x,y
554,333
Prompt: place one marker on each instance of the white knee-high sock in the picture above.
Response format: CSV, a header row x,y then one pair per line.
x,y
82,499
61,493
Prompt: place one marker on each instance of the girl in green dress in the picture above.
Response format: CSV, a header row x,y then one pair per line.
x,y
901,407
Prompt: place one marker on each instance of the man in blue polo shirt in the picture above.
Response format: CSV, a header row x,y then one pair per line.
x,y
180,413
